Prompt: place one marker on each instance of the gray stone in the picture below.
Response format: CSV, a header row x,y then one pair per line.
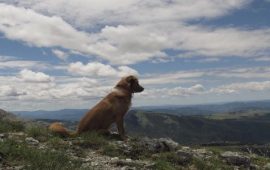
x,y
172,145
253,167
184,157
202,153
31,141
267,166
94,163
128,168
235,158
129,160
2,135
114,159
158,145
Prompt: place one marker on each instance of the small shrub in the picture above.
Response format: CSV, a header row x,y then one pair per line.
x,y
11,126
163,165
38,132
259,160
57,143
212,163
168,160
112,151
92,140
21,154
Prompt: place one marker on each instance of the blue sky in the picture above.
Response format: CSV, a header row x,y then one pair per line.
x,y
69,54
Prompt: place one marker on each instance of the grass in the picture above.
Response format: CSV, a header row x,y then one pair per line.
x,y
261,161
169,160
92,140
163,165
58,143
11,126
38,132
213,163
220,149
20,154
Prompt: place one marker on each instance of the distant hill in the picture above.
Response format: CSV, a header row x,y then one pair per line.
x,y
6,115
208,109
65,114
240,122
200,130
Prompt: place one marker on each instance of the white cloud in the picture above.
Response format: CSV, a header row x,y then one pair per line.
x,y
37,77
237,87
8,62
263,59
171,78
8,91
99,69
39,30
180,91
132,38
130,11
244,73
60,54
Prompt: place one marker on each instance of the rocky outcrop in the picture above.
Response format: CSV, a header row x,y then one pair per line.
x,y
135,153
235,158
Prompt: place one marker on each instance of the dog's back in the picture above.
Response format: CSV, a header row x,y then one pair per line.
x,y
101,116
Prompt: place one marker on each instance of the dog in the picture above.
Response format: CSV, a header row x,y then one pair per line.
x,y
111,109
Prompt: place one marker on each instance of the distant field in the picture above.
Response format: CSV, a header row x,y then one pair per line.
x,y
238,115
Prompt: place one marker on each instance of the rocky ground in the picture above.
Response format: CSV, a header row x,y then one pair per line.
x,y
30,146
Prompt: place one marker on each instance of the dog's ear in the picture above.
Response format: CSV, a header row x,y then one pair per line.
x,y
130,79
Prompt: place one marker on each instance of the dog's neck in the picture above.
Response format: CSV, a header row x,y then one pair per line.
x,y
122,92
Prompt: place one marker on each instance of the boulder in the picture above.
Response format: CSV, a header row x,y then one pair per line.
x,y
185,157
202,153
31,141
158,145
267,166
235,158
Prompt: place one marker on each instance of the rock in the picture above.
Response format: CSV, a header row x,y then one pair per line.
x,y
254,167
128,168
129,160
184,157
150,165
267,166
16,135
202,153
235,158
172,145
114,159
2,135
31,141
186,148
128,163
157,145
94,163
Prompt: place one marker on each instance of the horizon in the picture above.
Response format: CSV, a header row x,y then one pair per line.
x,y
161,106
70,54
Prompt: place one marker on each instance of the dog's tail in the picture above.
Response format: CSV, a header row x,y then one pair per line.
x,y
59,129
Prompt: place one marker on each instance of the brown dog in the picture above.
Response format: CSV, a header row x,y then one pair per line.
x,y
110,109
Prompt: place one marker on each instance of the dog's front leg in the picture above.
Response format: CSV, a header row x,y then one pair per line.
x,y
120,127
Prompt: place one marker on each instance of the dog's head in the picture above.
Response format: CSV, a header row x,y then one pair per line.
x,y
131,84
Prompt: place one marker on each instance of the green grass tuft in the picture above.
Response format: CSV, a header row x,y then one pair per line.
x,y
11,126
38,132
92,140
20,154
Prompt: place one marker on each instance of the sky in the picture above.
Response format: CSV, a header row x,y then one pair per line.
x,y
57,54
